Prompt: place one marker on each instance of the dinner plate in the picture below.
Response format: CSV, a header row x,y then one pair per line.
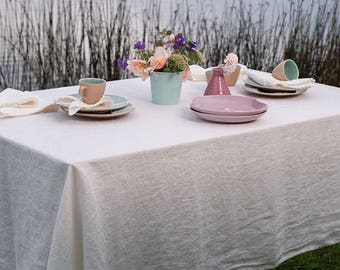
x,y
232,119
118,102
111,114
228,105
257,91
272,88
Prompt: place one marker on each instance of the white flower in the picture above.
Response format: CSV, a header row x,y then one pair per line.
x,y
230,63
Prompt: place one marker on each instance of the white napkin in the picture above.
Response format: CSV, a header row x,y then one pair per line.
x,y
74,104
266,79
17,103
197,73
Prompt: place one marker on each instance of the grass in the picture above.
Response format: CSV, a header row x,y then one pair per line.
x,y
327,258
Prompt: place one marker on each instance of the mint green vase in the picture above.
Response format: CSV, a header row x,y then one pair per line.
x,y
166,87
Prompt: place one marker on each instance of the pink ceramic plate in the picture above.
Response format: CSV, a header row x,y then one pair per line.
x,y
228,105
234,119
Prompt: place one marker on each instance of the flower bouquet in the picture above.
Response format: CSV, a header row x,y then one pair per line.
x,y
167,65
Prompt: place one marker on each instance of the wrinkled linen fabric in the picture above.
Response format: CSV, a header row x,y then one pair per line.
x,y
15,103
266,79
162,189
218,209
74,104
31,185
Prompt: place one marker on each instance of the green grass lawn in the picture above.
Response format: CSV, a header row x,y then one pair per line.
x,y
327,258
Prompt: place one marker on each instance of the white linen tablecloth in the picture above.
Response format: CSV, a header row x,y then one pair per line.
x,y
162,189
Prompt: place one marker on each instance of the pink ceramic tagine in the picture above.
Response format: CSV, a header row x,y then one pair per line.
x,y
217,84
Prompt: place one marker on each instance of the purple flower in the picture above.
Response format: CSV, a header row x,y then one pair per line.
x,y
179,41
139,46
122,63
191,46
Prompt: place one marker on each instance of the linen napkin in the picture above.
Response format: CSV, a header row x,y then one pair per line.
x,y
266,79
197,73
17,103
74,104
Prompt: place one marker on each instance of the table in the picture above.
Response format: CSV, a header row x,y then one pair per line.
x,y
162,189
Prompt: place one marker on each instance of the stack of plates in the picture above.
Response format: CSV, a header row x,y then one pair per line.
x,y
119,107
278,91
228,109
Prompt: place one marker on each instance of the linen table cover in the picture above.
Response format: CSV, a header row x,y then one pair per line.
x,y
162,189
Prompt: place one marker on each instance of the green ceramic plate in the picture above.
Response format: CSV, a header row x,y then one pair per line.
x,y
118,102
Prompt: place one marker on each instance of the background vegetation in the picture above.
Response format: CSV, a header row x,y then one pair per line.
x,y
54,43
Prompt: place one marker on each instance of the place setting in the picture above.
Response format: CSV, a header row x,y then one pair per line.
x,y
92,102
218,105
283,81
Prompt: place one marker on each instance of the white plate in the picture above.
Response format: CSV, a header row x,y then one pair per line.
x,y
118,102
112,114
256,91
228,105
272,88
233,119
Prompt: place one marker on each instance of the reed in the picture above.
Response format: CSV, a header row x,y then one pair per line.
x,y
46,44
54,43
315,44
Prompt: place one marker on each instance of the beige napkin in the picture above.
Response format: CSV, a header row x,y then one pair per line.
x,y
266,79
17,103
74,104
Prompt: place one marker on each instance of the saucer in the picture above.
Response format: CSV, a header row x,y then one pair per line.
x,y
228,105
228,119
118,102
272,88
109,114
257,91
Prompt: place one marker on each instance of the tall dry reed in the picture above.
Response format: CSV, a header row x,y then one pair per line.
x,y
47,44
314,40
54,43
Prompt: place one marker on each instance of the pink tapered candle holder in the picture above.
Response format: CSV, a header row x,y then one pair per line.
x,y
217,85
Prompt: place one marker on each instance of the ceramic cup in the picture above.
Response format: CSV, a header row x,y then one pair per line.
x,y
286,71
91,89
